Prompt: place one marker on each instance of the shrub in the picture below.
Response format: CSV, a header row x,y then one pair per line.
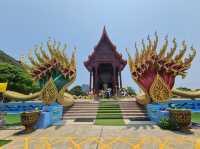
x,y
131,91
184,88
166,123
77,90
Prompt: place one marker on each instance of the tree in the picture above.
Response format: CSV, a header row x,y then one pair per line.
x,y
77,90
184,88
85,88
18,80
131,91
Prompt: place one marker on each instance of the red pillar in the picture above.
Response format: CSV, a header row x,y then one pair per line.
x,y
120,77
114,80
90,81
93,83
96,79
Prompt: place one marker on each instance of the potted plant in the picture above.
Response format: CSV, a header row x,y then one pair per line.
x,y
29,120
181,116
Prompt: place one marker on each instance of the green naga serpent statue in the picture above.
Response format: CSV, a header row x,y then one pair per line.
x,y
155,71
54,73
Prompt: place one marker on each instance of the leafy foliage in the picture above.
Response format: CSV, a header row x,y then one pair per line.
x,y
77,90
167,123
18,80
184,88
130,91
5,58
4,142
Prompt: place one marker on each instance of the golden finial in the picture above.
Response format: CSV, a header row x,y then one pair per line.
x,y
164,48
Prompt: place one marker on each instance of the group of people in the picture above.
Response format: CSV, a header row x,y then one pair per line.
x,y
107,93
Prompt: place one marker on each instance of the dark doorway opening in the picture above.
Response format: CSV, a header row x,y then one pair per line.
x,y
105,72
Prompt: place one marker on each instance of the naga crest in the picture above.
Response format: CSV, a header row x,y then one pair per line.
x,y
155,70
54,71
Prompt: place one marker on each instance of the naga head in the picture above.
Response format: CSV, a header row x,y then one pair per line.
x,y
54,70
155,70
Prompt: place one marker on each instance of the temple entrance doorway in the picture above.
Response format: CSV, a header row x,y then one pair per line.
x,y
105,76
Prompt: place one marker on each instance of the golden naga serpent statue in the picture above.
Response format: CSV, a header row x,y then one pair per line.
x,y
155,71
54,74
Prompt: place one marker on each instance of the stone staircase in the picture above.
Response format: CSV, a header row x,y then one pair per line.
x,y
133,111
81,110
88,110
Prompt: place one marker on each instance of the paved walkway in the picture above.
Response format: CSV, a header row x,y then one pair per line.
x,y
84,136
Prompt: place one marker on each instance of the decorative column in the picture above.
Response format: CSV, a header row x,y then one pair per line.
x,y
90,81
93,80
96,79
120,77
114,82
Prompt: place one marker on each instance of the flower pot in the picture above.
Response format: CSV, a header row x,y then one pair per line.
x,y
29,120
182,117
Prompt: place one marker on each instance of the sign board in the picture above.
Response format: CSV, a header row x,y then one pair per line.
x,y
3,87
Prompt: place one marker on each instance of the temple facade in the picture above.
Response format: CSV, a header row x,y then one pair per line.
x,y
105,65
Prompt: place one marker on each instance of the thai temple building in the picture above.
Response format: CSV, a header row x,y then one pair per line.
x,y
105,65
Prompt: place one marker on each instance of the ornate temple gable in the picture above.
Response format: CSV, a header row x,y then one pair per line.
x,y
106,51
105,40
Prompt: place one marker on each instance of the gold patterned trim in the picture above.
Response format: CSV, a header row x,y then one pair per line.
x,y
49,92
159,90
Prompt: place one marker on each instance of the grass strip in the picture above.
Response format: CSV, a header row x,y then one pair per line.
x,y
109,114
12,119
196,117
4,142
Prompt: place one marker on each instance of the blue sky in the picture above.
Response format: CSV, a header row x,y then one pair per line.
x,y
24,23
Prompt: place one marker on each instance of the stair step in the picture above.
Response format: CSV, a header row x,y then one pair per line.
x,y
82,103
135,117
75,117
80,114
85,114
132,110
81,111
140,114
85,106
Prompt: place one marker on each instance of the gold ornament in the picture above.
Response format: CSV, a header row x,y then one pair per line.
x,y
49,92
61,93
159,91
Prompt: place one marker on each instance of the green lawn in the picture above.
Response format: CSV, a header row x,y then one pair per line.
x,y
196,117
109,114
12,119
3,142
